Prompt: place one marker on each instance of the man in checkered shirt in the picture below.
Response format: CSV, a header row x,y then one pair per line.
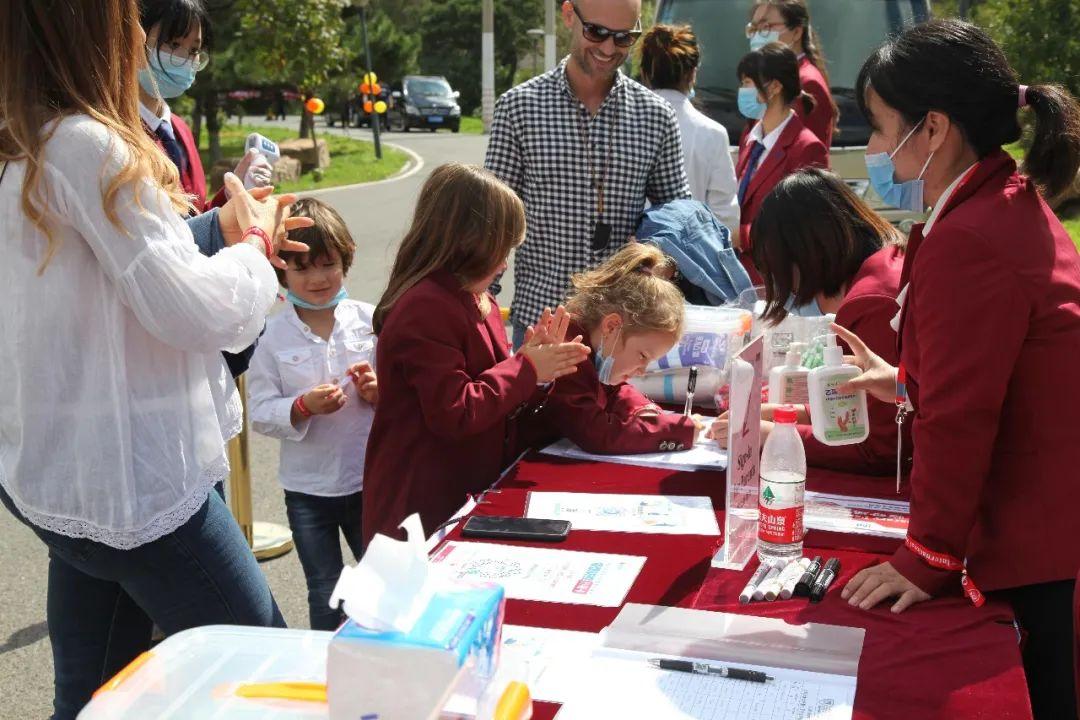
x,y
563,139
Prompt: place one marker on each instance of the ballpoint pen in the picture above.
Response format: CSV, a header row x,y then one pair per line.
x,y
691,384
699,668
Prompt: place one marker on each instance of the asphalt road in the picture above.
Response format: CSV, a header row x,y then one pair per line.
x,y
378,215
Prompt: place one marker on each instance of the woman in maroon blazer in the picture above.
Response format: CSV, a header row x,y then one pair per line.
x,y
629,315
449,388
989,335
779,144
816,241
788,21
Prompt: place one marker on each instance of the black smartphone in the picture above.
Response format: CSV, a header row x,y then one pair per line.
x,y
515,528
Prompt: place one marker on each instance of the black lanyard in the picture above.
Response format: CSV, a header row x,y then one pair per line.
x,y
602,231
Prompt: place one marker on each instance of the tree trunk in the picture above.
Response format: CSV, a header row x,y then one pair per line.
x,y
213,126
307,123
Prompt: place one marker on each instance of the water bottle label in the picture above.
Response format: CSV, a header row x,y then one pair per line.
x,y
843,421
780,506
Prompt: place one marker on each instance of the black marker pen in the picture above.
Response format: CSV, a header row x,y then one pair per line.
x,y
802,588
825,580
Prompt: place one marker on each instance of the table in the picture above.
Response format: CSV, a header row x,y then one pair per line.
x,y
940,659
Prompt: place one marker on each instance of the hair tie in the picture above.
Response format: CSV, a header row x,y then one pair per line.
x,y
1023,96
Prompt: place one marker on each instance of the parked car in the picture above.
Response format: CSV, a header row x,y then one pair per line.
x,y
423,101
849,30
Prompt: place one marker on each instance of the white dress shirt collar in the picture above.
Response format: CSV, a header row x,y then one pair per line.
x,y
152,120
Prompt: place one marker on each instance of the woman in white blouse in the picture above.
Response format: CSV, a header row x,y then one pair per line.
x,y
114,400
669,62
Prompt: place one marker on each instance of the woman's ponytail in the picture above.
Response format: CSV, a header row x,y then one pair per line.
x,y
1054,157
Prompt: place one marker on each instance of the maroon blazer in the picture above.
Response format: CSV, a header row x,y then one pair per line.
x,y
820,120
796,148
603,418
447,388
990,336
868,307
192,177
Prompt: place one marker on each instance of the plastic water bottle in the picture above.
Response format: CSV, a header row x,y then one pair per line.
x,y
783,484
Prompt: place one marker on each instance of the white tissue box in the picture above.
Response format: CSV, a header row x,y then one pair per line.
x,y
453,647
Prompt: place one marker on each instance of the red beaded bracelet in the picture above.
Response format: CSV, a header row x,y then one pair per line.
x,y
301,406
261,234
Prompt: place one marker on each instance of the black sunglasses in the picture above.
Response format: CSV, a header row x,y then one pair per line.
x,y
598,33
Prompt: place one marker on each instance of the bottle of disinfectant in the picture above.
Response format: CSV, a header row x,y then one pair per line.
x,y
838,418
783,485
788,382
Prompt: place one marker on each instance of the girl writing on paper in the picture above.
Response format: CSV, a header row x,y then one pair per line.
x,y
629,315
989,332
816,241
449,389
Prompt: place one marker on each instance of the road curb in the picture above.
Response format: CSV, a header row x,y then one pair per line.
x,y
415,165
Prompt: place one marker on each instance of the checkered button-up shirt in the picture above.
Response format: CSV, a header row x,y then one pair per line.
x,y
538,147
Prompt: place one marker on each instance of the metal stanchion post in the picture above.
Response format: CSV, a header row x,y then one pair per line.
x,y
267,540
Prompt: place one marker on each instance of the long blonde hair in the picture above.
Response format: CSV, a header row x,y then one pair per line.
x,y
632,283
466,222
66,57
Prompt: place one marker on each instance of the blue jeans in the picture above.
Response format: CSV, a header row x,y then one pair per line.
x,y
518,339
102,602
315,521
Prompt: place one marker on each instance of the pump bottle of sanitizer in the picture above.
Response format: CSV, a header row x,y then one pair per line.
x,y
838,418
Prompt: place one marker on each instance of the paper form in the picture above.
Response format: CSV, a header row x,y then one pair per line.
x,y
704,455
653,514
856,515
527,573
622,684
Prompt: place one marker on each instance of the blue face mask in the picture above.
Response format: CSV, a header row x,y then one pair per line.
x,y
604,364
810,309
690,95
167,75
760,39
341,295
749,105
906,195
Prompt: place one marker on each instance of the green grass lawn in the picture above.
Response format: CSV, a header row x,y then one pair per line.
x,y
472,125
351,161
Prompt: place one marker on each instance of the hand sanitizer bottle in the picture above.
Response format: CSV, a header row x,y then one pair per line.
x,y
838,418
788,382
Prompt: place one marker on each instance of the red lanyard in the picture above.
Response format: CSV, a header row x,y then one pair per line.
x,y
942,561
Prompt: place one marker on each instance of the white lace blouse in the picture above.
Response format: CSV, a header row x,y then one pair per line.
x,y
114,400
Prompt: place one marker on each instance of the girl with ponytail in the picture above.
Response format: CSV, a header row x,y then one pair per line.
x,y
629,314
989,332
779,143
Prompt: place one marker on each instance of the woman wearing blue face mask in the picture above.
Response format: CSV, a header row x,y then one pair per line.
x,y
989,332
816,242
779,143
788,22
177,32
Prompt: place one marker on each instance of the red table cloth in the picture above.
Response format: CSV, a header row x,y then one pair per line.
x,y
940,659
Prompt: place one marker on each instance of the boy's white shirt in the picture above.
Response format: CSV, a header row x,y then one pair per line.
x,y
325,454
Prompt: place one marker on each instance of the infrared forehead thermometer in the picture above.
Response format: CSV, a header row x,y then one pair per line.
x,y
266,147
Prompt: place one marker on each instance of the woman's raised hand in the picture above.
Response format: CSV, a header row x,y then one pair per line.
x,y
261,209
878,377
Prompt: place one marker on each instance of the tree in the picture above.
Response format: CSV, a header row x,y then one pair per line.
x,y
289,41
1039,36
451,43
395,51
